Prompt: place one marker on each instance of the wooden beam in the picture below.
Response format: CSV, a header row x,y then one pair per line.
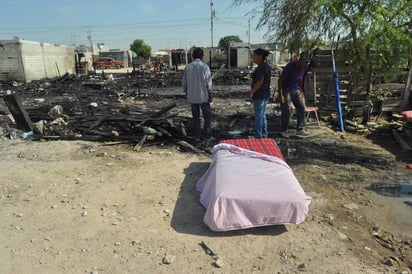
x,y
19,113
140,144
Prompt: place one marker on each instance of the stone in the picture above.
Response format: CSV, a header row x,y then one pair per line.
x,y
101,154
351,206
219,263
342,236
168,259
388,261
302,266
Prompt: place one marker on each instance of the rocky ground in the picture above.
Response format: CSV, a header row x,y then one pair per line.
x,y
95,207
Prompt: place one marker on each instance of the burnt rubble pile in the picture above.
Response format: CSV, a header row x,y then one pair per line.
x,y
158,79
93,109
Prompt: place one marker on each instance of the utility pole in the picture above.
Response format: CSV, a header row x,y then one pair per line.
x,y
248,32
89,36
212,14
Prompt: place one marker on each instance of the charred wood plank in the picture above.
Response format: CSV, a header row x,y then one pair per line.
x,y
140,143
159,113
164,131
188,146
19,113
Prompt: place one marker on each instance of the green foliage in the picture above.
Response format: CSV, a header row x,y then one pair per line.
x,y
379,41
377,34
348,113
141,48
225,41
382,94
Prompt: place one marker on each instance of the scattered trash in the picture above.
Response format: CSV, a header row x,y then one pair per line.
x,y
39,100
28,134
55,111
235,132
207,249
218,260
151,131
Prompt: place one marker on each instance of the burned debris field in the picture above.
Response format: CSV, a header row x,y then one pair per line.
x,y
123,108
149,109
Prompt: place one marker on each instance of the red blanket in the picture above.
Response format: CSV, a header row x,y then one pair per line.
x,y
264,145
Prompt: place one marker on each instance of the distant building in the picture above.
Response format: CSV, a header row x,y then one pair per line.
x,y
276,54
120,55
23,60
84,60
239,55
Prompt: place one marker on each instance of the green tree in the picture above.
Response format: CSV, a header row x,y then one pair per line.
x,y
225,41
141,48
377,34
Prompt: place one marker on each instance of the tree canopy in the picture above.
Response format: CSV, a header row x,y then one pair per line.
x,y
225,41
141,48
377,34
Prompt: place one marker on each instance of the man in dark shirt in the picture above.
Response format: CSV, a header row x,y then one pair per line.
x,y
290,85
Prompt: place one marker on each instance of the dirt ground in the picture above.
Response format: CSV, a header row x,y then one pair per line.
x,y
90,207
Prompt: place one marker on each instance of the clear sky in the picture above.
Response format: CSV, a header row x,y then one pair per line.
x,y
161,24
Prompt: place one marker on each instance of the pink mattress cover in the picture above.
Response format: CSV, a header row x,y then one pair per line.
x,y
243,188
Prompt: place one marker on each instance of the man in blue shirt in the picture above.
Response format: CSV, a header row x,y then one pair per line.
x,y
290,85
197,85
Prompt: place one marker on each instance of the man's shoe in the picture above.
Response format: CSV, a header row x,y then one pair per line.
x,y
301,132
284,134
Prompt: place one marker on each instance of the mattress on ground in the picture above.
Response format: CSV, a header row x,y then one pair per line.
x,y
243,188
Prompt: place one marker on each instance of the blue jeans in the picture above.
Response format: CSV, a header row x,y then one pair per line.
x,y
261,125
207,115
295,97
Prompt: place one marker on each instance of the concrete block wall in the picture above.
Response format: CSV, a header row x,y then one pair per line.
x,y
24,60
43,60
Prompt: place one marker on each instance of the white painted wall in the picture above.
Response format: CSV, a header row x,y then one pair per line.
x,y
31,60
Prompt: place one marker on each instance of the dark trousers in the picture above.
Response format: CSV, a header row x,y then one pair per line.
x,y
295,97
207,115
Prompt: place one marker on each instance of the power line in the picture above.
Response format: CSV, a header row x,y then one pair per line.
x,y
152,30
154,24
